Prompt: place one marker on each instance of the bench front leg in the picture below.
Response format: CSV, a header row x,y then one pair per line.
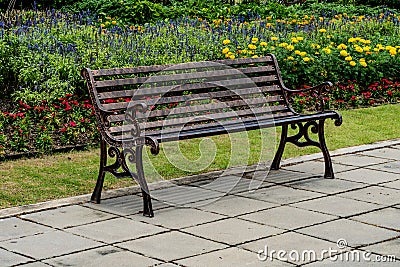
x,y
278,156
316,127
96,195
147,206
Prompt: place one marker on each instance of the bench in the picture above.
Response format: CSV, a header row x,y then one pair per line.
x,y
148,105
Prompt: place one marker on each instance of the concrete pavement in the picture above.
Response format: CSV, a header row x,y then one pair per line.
x,y
294,217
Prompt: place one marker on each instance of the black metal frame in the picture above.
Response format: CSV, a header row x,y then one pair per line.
x,y
316,127
121,155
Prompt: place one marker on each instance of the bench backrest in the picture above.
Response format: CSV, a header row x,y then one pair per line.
x,y
187,96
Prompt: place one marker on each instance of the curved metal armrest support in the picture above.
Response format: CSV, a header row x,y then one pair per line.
x,y
316,91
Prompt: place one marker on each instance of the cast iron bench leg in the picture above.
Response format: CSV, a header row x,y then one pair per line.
x,y
327,158
147,206
96,196
278,156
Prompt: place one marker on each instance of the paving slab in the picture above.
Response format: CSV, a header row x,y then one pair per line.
x,y
327,186
236,205
281,194
288,218
171,246
105,256
387,248
233,231
375,194
115,230
394,184
8,258
49,244
227,258
124,205
389,218
278,176
393,166
337,206
358,160
231,184
354,233
356,258
290,243
68,216
185,196
387,153
178,218
368,176
317,167
13,227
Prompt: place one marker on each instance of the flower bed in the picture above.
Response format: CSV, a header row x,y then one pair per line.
x,y
42,53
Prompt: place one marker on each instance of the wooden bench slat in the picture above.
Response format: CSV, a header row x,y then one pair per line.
x,y
150,125
243,93
157,68
212,75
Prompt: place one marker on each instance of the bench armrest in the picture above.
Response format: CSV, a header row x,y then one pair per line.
x,y
316,91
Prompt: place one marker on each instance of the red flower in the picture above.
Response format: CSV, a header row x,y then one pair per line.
x,y
371,102
68,107
353,98
63,130
73,124
68,95
390,93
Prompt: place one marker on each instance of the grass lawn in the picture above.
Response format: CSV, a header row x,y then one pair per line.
x,y
29,181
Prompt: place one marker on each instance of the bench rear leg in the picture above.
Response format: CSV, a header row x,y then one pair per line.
x,y
96,195
278,156
147,206
327,158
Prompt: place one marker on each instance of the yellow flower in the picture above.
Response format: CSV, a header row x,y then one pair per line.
x,y
290,47
113,22
252,47
244,51
225,50
352,40
303,54
353,63
359,49
108,18
348,58
263,44
300,38
254,40
273,38
393,51
327,50
342,46
290,58
232,56
255,56
344,53
294,40
297,52
363,63
107,23
282,44
366,48
102,25
306,59
225,42
322,30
